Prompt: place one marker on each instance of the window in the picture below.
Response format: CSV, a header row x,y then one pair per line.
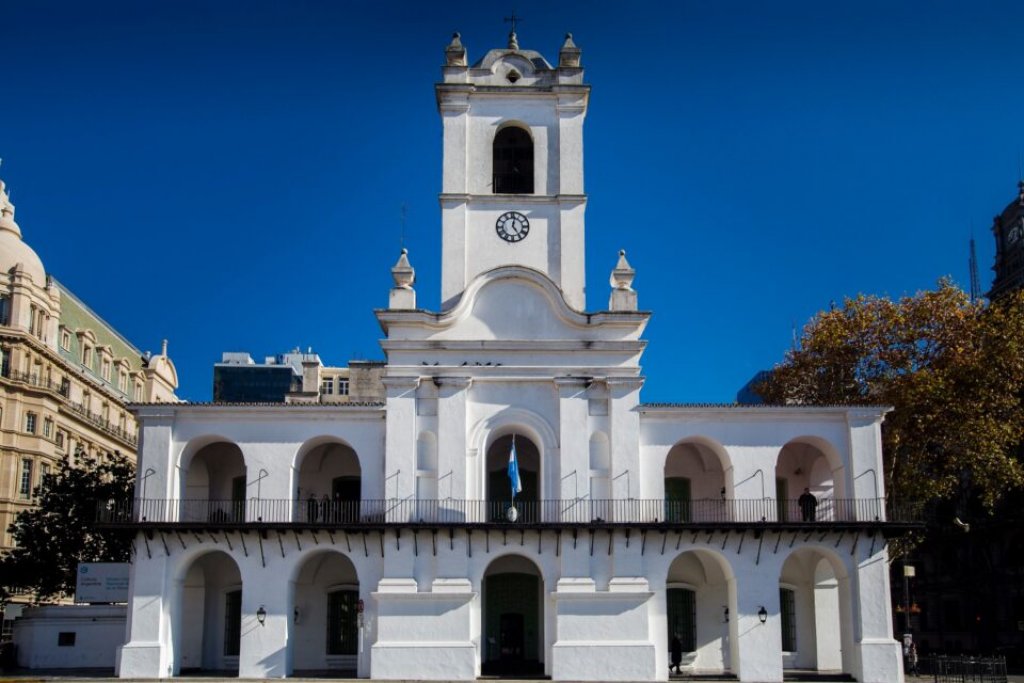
x,y
44,473
30,423
47,428
65,340
513,161
65,387
25,485
122,381
327,386
60,438
138,391
32,319
232,623
66,639
787,602
105,369
342,629
342,386
86,355
5,310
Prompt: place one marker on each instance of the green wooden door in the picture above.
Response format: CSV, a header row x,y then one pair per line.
x,y
678,503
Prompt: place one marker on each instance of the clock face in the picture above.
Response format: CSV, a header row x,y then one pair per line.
x,y
512,226
1015,233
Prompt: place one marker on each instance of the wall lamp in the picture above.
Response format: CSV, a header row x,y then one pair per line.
x,y
762,614
725,611
261,615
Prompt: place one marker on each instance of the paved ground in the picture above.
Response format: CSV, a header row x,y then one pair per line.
x,y
95,677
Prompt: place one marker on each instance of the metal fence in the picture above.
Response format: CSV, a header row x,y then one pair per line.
x,y
943,669
454,511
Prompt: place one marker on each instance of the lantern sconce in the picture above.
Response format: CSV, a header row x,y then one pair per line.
x,y
762,614
295,614
261,615
725,614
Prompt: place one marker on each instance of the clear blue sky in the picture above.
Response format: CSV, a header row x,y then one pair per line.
x,y
229,175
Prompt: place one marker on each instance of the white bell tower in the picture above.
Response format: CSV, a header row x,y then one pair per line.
x,y
512,186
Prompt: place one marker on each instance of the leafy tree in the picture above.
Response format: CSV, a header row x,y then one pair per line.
x,y
52,538
951,369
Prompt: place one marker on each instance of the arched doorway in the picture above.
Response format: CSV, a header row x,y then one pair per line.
x,y
499,486
329,484
513,618
814,604
214,488
325,630
804,467
209,616
695,484
700,593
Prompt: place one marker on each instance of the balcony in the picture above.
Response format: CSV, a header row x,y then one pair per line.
x,y
62,391
375,514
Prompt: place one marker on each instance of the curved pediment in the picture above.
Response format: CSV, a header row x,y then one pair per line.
x,y
513,303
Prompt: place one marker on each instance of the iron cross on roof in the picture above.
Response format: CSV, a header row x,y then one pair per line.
x,y
513,43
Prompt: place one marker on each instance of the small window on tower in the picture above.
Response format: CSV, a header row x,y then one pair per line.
x,y
513,161
513,76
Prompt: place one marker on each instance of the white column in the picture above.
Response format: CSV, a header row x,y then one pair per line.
x,y
880,657
263,649
147,652
758,646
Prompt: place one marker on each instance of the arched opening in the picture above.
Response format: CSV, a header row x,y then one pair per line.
x,y
513,618
330,485
209,616
808,484
513,161
815,615
695,484
700,597
215,485
499,483
325,631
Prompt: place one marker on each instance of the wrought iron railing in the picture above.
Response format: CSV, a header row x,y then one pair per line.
x,y
63,390
963,669
460,512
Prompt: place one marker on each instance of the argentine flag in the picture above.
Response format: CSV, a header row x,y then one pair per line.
x,y
513,471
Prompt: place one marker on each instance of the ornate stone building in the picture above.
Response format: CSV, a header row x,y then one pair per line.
x,y
65,376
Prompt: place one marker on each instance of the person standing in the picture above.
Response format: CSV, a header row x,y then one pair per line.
x,y
676,649
808,505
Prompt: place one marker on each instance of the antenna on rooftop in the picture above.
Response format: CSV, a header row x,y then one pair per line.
x,y
973,264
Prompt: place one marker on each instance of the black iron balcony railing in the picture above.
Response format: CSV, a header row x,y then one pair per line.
x,y
63,390
198,512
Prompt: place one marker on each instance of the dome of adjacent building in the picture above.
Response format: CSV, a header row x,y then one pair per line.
x,y
13,250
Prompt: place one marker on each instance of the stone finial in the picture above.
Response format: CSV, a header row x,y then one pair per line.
x,y
403,296
513,41
623,274
7,211
455,53
569,55
623,296
163,348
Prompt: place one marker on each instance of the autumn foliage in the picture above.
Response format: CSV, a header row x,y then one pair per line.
x,y
951,369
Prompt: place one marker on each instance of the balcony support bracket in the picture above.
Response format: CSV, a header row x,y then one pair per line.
x,y
263,558
149,553
853,547
743,537
664,540
180,540
839,538
298,543
760,542
167,550
227,539
241,538
280,543
469,543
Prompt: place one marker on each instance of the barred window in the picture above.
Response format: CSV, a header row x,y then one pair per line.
x,y
232,623
787,601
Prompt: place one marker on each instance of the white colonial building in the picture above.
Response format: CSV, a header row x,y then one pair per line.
x,y
377,538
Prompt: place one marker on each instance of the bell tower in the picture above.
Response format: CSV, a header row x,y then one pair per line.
x,y
512,182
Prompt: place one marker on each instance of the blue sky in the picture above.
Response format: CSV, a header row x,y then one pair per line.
x,y
230,175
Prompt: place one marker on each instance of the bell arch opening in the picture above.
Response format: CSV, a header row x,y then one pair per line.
x,y
512,156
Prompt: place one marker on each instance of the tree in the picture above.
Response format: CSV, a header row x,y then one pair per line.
x,y
52,538
951,369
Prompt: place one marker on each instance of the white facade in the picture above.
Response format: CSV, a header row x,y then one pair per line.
x,y
262,526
